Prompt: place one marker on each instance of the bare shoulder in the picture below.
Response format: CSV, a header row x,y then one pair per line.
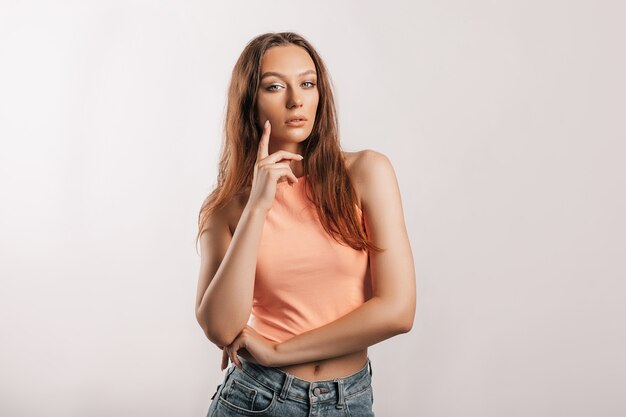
x,y
371,172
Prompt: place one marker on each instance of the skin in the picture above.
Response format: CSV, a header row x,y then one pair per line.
x,y
282,97
338,348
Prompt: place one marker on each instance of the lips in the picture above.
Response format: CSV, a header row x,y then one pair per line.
x,y
296,118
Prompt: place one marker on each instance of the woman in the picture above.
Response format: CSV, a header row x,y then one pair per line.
x,y
305,258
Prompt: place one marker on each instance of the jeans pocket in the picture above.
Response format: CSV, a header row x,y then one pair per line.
x,y
361,404
241,393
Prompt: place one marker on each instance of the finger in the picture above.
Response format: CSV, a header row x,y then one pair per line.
x,y
282,154
224,358
283,174
277,164
237,359
280,172
233,355
263,150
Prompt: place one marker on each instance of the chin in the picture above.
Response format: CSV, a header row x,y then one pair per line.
x,y
297,136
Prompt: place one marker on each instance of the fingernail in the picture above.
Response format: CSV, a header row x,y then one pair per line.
x,y
267,123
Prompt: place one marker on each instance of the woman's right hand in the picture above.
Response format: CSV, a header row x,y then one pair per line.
x,y
268,171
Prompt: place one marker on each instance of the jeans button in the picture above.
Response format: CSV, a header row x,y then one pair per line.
x,y
316,391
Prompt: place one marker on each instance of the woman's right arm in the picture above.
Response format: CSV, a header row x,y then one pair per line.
x,y
227,271
228,263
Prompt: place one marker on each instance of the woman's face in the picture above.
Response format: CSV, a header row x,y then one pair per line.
x,y
288,88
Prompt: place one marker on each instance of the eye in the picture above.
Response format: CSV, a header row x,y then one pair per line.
x,y
270,88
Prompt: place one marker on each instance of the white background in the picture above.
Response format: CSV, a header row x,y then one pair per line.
x,y
504,122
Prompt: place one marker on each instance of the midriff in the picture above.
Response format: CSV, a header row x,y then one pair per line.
x,y
330,368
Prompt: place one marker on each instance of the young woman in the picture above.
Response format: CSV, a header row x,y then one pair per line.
x,y
305,258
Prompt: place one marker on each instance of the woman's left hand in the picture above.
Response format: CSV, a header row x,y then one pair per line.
x,y
251,346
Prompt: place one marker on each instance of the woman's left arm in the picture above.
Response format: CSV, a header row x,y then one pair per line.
x,y
391,309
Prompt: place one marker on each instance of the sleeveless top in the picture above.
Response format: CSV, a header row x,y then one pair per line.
x,y
304,278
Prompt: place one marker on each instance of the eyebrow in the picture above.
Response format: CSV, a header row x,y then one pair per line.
x,y
267,74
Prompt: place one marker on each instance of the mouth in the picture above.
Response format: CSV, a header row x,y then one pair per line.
x,y
296,122
296,118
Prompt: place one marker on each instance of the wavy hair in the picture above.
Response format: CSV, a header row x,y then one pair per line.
x,y
328,184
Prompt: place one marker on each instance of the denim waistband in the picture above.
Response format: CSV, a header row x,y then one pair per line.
x,y
286,384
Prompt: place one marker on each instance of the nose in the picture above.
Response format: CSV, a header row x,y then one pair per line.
x,y
294,100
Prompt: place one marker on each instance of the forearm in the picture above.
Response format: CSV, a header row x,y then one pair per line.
x,y
370,323
227,302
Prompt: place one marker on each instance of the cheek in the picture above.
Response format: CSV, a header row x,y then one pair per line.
x,y
315,98
263,110
266,105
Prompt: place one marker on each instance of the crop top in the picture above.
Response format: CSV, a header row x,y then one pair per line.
x,y
304,278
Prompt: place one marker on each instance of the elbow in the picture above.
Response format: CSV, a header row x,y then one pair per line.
x,y
218,338
399,319
217,335
404,320
405,325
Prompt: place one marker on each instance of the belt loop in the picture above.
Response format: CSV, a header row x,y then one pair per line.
x,y
340,392
369,361
286,386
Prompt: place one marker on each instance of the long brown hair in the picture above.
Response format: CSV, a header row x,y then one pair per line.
x,y
329,186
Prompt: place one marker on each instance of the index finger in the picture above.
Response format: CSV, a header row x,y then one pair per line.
x,y
263,150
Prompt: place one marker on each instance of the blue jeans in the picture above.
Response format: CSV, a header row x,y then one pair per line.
x,y
256,390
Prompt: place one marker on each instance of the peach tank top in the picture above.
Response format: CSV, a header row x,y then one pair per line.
x,y
304,278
